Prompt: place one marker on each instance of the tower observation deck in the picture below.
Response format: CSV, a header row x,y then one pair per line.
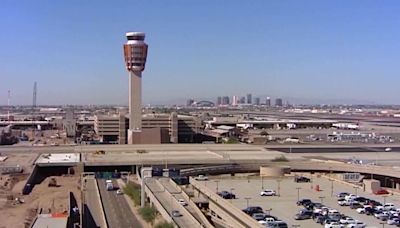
x,y
135,53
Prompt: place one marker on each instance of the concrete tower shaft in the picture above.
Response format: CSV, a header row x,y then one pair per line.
x,y
135,53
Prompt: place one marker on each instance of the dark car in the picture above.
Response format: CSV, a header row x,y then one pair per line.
x,y
355,205
320,218
227,195
251,210
361,200
301,179
369,211
304,202
303,215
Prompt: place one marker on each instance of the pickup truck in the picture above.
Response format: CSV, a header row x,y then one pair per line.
x,y
201,178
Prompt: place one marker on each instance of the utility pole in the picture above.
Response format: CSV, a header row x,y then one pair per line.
x,y
34,95
8,105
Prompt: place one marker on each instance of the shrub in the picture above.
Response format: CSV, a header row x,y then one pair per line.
x,y
148,213
133,191
164,225
281,158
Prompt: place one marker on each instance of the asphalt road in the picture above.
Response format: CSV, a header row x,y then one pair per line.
x,y
117,210
177,194
287,149
170,204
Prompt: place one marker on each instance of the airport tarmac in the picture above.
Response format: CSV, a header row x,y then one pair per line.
x,y
284,206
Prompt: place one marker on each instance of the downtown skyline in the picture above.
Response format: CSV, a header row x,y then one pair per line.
x,y
308,50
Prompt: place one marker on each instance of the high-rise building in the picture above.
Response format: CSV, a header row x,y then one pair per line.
x,y
268,102
225,100
135,52
257,101
278,102
235,100
189,102
249,98
243,100
219,101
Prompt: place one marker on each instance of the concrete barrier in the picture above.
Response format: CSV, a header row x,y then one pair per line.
x,y
226,210
160,208
204,221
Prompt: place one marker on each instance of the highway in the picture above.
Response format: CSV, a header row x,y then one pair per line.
x,y
170,203
117,210
93,213
177,194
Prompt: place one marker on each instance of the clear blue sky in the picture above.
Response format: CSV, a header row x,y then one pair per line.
x,y
303,49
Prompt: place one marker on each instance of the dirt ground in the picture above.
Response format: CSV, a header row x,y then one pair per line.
x,y
44,198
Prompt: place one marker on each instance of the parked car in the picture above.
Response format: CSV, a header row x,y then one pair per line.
x,y
259,216
343,202
227,195
268,192
355,205
333,225
382,215
389,206
201,178
303,214
393,221
342,195
357,224
303,202
381,192
347,220
301,179
251,210
119,192
277,224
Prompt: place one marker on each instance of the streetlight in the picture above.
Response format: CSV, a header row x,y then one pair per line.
x,y
355,190
384,200
322,199
232,194
217,181
298,193
262,182
247,201
268,211
383,224
331,187
279,186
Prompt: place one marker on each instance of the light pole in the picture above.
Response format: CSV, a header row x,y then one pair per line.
x,y
355,190
298,193
247,201
217,181
268,211
262,182
331,187
232,194
384,200
279,187
322,199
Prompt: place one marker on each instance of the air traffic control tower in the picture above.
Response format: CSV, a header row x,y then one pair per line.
x,y
135,52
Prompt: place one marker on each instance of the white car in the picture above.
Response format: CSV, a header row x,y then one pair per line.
x,y
361,210
201,178
389,206
347,220
119,192
357,224
333,225
268,192
344,202
350,197
182,202
393,221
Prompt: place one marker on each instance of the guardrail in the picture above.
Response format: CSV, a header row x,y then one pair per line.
x,y
204,221
241,218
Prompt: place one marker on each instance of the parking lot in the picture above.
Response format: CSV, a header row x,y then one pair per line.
x,y
247,191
